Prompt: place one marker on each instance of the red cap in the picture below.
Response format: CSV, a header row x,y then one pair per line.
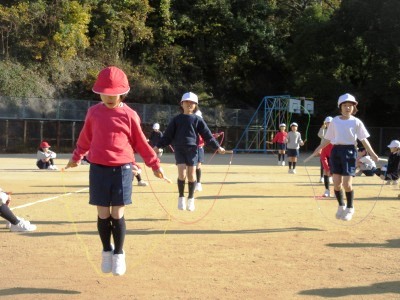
x,y
44,144
111,81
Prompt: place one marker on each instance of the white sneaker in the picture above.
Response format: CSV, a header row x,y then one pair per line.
x,y
321,180
142,183
118,264
327,193
190,204
293,171
283,163
8,224
330,180
290,171
388,182
198,187
23,225
340,212
106,260
395,182
182,203
348,214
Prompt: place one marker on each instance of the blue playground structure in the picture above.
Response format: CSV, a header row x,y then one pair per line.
x,y
272,111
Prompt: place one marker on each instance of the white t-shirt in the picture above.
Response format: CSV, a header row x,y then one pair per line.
x,y
367,163
346,132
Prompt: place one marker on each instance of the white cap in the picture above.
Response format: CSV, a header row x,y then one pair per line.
x,y
328,119
346,98
156,126
198,112
282,125
190,97
294,124
394,144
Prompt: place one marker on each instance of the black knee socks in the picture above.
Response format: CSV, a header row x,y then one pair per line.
x,y
181,188
198,175
104,229
192,185
118,232
339,197
326,182
350,198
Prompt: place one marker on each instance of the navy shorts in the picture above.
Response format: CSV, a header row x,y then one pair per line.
x,y
110,186
281,146
187,155
201,154
292,152
343,160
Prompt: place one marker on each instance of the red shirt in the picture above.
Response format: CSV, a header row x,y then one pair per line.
x,y
109,136
280,137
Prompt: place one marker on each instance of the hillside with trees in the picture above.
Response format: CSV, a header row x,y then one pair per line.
x,y
230,52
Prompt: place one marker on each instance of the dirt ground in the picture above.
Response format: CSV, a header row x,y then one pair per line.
x,y
257,233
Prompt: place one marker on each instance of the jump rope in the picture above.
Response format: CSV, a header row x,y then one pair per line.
x,y
318,198
153,246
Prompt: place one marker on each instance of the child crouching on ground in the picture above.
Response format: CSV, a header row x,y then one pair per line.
x,y
45,157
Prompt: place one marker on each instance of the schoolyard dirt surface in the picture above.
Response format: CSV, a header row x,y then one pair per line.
x,y
257,233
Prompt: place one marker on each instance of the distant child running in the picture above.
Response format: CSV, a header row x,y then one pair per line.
x,y
343,133
280,140
14,223
183,133
110,133
293,141
45,157
201,155
324,158
155,136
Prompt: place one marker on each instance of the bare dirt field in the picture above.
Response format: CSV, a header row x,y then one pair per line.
x,y
257,233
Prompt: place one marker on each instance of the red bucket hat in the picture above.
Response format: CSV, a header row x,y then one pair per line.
x,y
44,144
111,81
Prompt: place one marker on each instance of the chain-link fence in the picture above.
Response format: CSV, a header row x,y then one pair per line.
x,y
24,122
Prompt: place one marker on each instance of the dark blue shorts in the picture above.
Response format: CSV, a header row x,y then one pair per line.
x,y
343,160
110,186
201,154
281,146
187,155
292,152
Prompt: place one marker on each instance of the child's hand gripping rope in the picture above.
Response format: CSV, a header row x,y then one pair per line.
x,y
160,174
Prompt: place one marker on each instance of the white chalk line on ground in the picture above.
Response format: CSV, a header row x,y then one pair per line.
x,y
48,199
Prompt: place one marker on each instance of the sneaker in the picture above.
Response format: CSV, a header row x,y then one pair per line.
x,y
23,225
340,212
142,183
52,167
388,182
395,182
327,193
8,224
321,180
293,171
283,163
198,187
182,203
330,180
290,171
190,204
348,214
106,260
118,264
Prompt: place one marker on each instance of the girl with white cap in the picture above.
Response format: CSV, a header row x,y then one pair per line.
x,y
280,140
183,133
343,132
294,142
